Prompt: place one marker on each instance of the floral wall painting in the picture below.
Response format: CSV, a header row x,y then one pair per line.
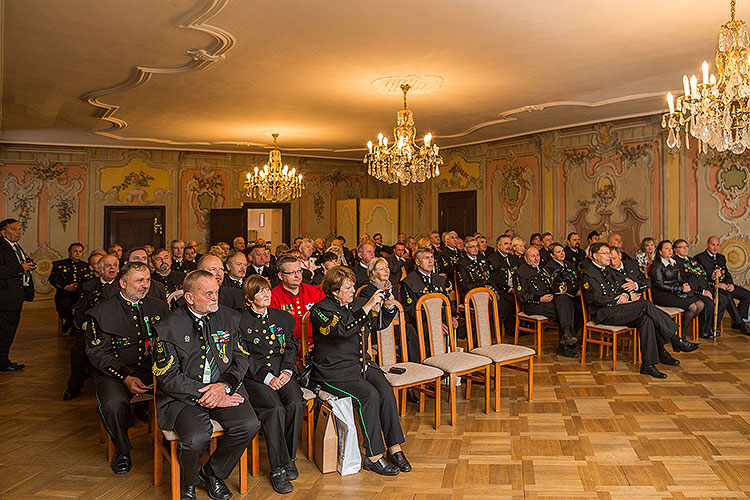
x,y
511,184
205,189
134,182
729,182
458,174
22,198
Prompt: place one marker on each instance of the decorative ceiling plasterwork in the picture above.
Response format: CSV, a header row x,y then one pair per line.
x,y
200,59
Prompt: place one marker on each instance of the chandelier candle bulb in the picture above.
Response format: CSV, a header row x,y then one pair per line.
x,y
670,102
694,87
275,182
704,67
686,85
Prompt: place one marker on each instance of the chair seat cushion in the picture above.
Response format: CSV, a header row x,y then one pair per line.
x,y
172,435
414,374
535,317
307,394
453,362
504,352
610,328
671,310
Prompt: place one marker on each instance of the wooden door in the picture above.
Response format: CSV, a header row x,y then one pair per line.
x,y
132,227
286,219
458,212
225,224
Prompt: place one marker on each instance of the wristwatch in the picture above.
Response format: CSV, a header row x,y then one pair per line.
x,y
226,387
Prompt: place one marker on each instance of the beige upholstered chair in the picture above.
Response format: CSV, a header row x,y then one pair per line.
x,y
444,356
161,452
480,308
606,336
537,324
675,313
417,376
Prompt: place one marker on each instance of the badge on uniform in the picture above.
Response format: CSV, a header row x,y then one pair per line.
x,y
187,338
256,340
225,359
586,285
96,342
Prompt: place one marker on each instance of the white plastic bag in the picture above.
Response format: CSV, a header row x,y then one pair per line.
x,y
350,461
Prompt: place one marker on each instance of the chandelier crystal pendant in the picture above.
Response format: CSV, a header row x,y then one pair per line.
x,y
403,161
275,181
716,111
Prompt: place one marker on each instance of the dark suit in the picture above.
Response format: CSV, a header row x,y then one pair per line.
x,y
601,287
184,266
503,267
231,282
574,255
271,273
271,343
13,292
360,273
184,346
395,264
448,261
738,312
228,296
172,281
630,270
68,272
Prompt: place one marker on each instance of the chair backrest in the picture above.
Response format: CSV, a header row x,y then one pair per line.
x,y
387,342
403,271
455,287
647,295
515,300
356,294
304,332
584,310
434,304
480,305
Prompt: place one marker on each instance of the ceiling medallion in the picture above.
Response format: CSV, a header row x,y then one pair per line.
x,y
403,161
717,111
418,84
274,182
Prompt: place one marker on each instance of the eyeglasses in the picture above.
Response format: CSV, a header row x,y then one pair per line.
x,y
298,271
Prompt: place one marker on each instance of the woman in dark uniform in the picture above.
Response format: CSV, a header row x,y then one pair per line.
x,y
670,286
273,389
342,324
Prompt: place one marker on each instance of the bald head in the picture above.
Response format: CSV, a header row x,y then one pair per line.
x,y
615,240
213,265
531,256
713,244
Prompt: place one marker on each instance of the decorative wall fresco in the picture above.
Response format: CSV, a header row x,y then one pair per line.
x,y
205,189
134,182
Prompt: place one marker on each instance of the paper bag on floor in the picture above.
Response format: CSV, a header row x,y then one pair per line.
x,y
349,459
325,443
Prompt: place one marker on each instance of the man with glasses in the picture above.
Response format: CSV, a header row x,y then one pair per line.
x,y
611,304
294,296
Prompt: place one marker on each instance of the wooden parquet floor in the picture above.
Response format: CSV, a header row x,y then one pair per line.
x,y
589,433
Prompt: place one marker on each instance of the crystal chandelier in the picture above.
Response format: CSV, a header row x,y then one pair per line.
x,y
403,161
274,182
717,111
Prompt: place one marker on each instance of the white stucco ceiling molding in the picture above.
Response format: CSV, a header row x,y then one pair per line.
x,y
419,84
195,19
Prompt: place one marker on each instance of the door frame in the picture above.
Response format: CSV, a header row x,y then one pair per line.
x,y
458,194
286,217
108,209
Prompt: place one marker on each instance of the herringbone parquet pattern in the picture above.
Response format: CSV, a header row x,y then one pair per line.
x,y
590,433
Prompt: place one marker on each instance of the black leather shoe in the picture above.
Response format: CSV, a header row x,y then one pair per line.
x,y
707,335
411,396
569,339
667,358
188,492
682,345
382,467
281,484
744,329
652,371
12,367
71,394
566,351
399,460
216,487
291,471
121,464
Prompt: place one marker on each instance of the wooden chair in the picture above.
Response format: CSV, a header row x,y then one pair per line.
x,y
308,430
416,376
356,294
480,305
444,356
403,272
675,313
537,321
607,337
138,398
161,452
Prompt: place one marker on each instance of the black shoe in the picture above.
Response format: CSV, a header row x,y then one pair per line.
x,y
188,492
280,482
682,345
71,394
216,487
411,396
569,339
399,460
652,371
11,367
667,358
291,471
707,335
744,329
381,467
566,351
121,464
140,410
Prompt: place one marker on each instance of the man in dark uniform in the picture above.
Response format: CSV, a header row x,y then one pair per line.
x,y
485,250
177,247
635,280
66,276
610,304
199,364
449,255
544,251
472,271
258,265
365,253
397,260
535,290
421,281
563,272
119,336
228,296
236,266
573,251
380,249
157,290
503,265
17,286
715,264
327,260
93,292
615,240
164,273
698,281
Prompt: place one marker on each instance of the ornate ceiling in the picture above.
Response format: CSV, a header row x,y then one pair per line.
x,y
225,74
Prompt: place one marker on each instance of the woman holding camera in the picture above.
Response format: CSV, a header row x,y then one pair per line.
x,y
342,324
271,380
